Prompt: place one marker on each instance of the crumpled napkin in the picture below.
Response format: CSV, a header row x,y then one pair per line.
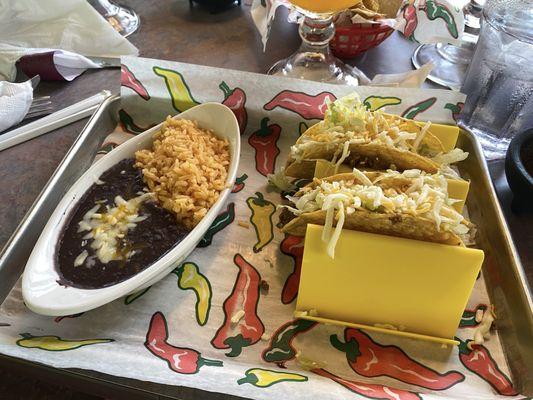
x,y
37,26
15,101
409,79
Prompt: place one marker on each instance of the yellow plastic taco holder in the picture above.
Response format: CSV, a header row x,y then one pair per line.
x,y
394,285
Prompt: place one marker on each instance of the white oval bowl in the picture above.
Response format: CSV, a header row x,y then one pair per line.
x,y
40,288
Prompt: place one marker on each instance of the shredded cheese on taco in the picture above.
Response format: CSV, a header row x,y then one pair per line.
x,y
344,156
425,196
347,121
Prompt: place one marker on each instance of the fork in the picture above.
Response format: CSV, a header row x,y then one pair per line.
x,y
40,106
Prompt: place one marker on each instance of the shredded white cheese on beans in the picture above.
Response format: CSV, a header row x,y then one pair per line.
x,y
107,229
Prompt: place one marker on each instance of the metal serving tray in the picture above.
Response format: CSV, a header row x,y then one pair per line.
x,y
506,281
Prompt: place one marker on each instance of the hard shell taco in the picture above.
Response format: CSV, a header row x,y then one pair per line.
x,y
411,204
352,135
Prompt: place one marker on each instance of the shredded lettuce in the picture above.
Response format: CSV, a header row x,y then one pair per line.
x,y
280,182
348,112
451,157
347,120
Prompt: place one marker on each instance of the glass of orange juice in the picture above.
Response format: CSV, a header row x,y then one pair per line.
x,y
314,60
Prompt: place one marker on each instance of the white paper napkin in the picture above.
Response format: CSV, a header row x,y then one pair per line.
x,y
36,26
15,101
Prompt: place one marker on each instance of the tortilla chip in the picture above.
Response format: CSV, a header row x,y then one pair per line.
x,y
390,7
371,5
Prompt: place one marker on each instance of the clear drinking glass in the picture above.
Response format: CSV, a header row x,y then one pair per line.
x,y
314,60
499,81
124,19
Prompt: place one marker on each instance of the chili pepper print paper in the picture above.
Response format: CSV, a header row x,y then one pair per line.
x,y
223,320
431,21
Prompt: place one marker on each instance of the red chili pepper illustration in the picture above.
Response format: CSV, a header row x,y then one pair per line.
x,y
372,359
129,80
280,349
246,329
415,109
468,320
265,143
480,362
456,109
182,360
435,10
411,20
305,105
59,319
372,391
239,183
236,100
221,221
292,246
128,125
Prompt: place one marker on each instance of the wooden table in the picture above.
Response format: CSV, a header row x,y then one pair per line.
x,y
171,30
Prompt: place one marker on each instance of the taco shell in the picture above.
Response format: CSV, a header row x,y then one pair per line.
x,y
405,225
400,225
373,155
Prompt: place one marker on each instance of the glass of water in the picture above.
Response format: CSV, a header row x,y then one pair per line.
x,y
499,81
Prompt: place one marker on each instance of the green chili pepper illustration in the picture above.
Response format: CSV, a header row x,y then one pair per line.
x,y
435,10
261,219
264,377
412,111
221,221
130,298
189,277
177,88
374,103
55,343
